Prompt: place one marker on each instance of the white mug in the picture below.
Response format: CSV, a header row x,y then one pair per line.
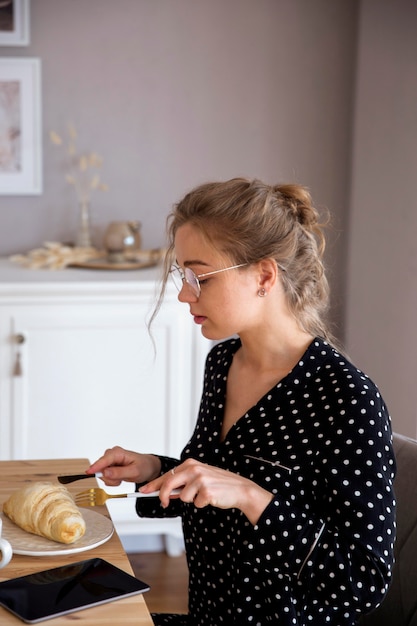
x,y
6,551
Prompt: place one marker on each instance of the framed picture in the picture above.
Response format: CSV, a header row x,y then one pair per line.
x,y
14,22
20,127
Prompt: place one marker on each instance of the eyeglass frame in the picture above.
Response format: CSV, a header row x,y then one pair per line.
x,y
197,291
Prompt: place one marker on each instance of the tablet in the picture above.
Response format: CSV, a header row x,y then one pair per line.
x,y
61,590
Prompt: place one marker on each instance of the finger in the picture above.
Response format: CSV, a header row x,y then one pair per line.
x,y
165,484
112,456
115,465
200,501
153,485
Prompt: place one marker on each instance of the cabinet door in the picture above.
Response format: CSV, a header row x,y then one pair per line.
x,y
91,378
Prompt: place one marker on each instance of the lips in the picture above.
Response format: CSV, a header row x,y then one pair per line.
x,y
199,319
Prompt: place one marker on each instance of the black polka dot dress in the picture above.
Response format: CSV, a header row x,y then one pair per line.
x,y
322,551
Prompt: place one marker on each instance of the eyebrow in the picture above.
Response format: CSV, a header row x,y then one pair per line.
x,y
196,262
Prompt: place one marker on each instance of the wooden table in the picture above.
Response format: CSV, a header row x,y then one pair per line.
x,y
129,611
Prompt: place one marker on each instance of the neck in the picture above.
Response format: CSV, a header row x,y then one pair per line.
x,y
270,351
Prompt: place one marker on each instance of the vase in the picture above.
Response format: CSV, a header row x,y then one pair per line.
x,y
83,239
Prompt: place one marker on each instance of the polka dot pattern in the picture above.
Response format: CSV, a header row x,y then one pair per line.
x,y
322,551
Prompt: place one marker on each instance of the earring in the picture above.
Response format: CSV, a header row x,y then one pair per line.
x,y
262,292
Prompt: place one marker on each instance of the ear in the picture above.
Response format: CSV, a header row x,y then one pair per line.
x,y
267,274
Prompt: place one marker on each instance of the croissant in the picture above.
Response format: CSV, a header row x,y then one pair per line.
x,y
48,510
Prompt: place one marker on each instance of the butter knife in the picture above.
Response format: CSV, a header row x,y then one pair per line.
x,y
70,478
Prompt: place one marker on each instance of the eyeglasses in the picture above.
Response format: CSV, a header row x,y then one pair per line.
x,y
180,275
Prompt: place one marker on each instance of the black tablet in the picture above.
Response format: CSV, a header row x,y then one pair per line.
x,y
61,590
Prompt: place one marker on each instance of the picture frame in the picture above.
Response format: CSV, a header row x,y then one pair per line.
x,y
14,23
20,126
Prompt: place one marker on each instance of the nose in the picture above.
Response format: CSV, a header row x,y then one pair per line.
x,y
186,293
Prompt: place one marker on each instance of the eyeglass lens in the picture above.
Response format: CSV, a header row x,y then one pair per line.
x,y
179,275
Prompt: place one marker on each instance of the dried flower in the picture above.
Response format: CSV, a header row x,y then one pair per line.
x,y
55,256
80,165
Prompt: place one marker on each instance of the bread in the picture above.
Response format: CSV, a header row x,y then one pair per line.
x,y
47,510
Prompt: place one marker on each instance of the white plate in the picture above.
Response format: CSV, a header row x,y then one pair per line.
x,y
99,530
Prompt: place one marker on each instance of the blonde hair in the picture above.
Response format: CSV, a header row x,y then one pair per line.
x,y
247,221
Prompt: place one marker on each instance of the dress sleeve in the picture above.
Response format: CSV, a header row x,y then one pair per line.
x,y
339,549
151,507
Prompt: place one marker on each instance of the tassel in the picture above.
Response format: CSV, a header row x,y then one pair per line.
x,y
17,370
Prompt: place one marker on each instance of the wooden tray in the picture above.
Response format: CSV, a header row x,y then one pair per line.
x,y
145,258
103,264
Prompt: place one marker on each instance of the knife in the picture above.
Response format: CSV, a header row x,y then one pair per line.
x,y
70,478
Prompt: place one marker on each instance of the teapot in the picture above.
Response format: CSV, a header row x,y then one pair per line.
x,y
120,238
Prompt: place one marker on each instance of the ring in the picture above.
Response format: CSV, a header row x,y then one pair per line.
x,y
173,471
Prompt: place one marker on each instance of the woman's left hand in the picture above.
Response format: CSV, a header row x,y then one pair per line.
x,y
208,485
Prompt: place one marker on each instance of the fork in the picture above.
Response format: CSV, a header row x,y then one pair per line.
x,y
96,496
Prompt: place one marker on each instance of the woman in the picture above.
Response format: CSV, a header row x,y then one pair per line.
x,y
286,484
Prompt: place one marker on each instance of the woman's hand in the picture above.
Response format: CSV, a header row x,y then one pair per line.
x,y
118,464
207,485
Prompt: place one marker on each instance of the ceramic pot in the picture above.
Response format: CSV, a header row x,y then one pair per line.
x,y
6,551
120,239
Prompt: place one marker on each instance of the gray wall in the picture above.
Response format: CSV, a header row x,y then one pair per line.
x,y
381,302
176,92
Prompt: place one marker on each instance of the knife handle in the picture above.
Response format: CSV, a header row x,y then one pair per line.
x,y
70,478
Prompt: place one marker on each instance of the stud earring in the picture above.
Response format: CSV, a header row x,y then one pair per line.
x,y
262,292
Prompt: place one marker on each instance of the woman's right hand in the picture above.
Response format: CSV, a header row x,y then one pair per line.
x,y
118,464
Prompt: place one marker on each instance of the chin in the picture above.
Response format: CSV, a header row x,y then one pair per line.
x,y
213,335
207,334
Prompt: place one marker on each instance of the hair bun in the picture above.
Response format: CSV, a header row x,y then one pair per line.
x,y
298,202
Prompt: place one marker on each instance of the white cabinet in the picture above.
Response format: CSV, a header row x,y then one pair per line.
x,y
91,376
